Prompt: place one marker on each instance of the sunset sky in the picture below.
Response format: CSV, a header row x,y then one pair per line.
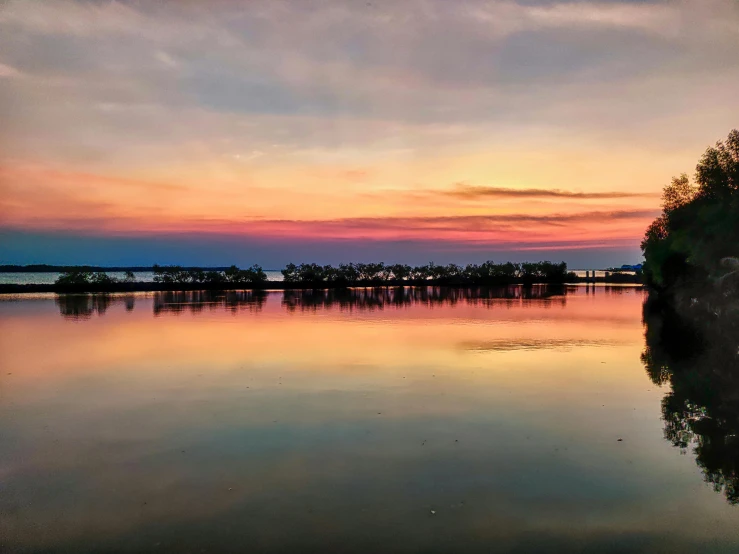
x,y
265,132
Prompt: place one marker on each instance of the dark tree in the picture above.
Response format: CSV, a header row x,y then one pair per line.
x,y
699,224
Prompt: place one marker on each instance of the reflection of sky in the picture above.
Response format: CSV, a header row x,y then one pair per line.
x,y
343,430
230,133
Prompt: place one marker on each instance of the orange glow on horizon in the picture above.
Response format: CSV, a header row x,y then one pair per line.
x,y
519,217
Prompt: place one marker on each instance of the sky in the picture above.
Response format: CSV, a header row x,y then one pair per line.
x,y
268,132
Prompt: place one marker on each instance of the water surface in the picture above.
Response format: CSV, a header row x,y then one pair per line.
x,y
402,420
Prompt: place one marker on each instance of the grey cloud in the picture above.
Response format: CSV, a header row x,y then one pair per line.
x,y
475,192
481,68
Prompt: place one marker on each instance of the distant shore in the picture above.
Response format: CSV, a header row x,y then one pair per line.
x,y
311,276
615,278
48,268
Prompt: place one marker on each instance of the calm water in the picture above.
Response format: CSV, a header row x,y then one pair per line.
x,y
402,421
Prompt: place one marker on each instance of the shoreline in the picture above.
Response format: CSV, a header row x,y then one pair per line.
x,y
282,285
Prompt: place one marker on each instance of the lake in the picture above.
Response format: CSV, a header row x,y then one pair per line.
x,y
395,420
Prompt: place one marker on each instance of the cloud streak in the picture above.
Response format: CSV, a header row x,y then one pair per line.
x,y
476,192
502,230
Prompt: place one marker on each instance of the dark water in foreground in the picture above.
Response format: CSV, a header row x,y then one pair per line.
x,y
423,421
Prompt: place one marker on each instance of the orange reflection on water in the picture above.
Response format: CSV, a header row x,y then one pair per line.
x,y
322,339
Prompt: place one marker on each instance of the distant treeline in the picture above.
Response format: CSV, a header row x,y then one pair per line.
x,y
173,274
229,276
488,273
372,273
47,268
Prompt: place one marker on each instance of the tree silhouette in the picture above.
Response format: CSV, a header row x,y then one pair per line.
x,y
488,273
699,224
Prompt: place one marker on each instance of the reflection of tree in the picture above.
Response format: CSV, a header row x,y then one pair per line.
x,y
697,353
380,297
199,300
83,306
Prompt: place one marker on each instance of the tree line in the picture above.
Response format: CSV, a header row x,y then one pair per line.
x,y
83,276
487,273
171,274
372,273
230,276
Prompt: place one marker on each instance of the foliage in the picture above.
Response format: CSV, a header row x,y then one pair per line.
x,y
102,278
379,273
249,276
699,224
487,273
81,277
175,274
74,277
171,274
